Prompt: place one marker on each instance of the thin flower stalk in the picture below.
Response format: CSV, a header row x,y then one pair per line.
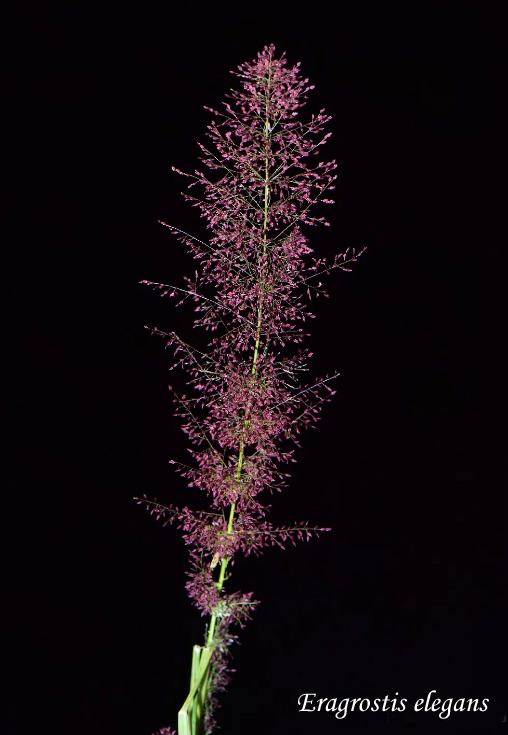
x,y
247,404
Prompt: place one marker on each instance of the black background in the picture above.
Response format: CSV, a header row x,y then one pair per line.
x,y
406,595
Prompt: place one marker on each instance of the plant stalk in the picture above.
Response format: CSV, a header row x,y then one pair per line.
x,y
190,717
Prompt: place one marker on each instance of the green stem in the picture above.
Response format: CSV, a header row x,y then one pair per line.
x,y
200,684
225,560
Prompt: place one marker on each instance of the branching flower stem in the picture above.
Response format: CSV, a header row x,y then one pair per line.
x,y
225,559
250,293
